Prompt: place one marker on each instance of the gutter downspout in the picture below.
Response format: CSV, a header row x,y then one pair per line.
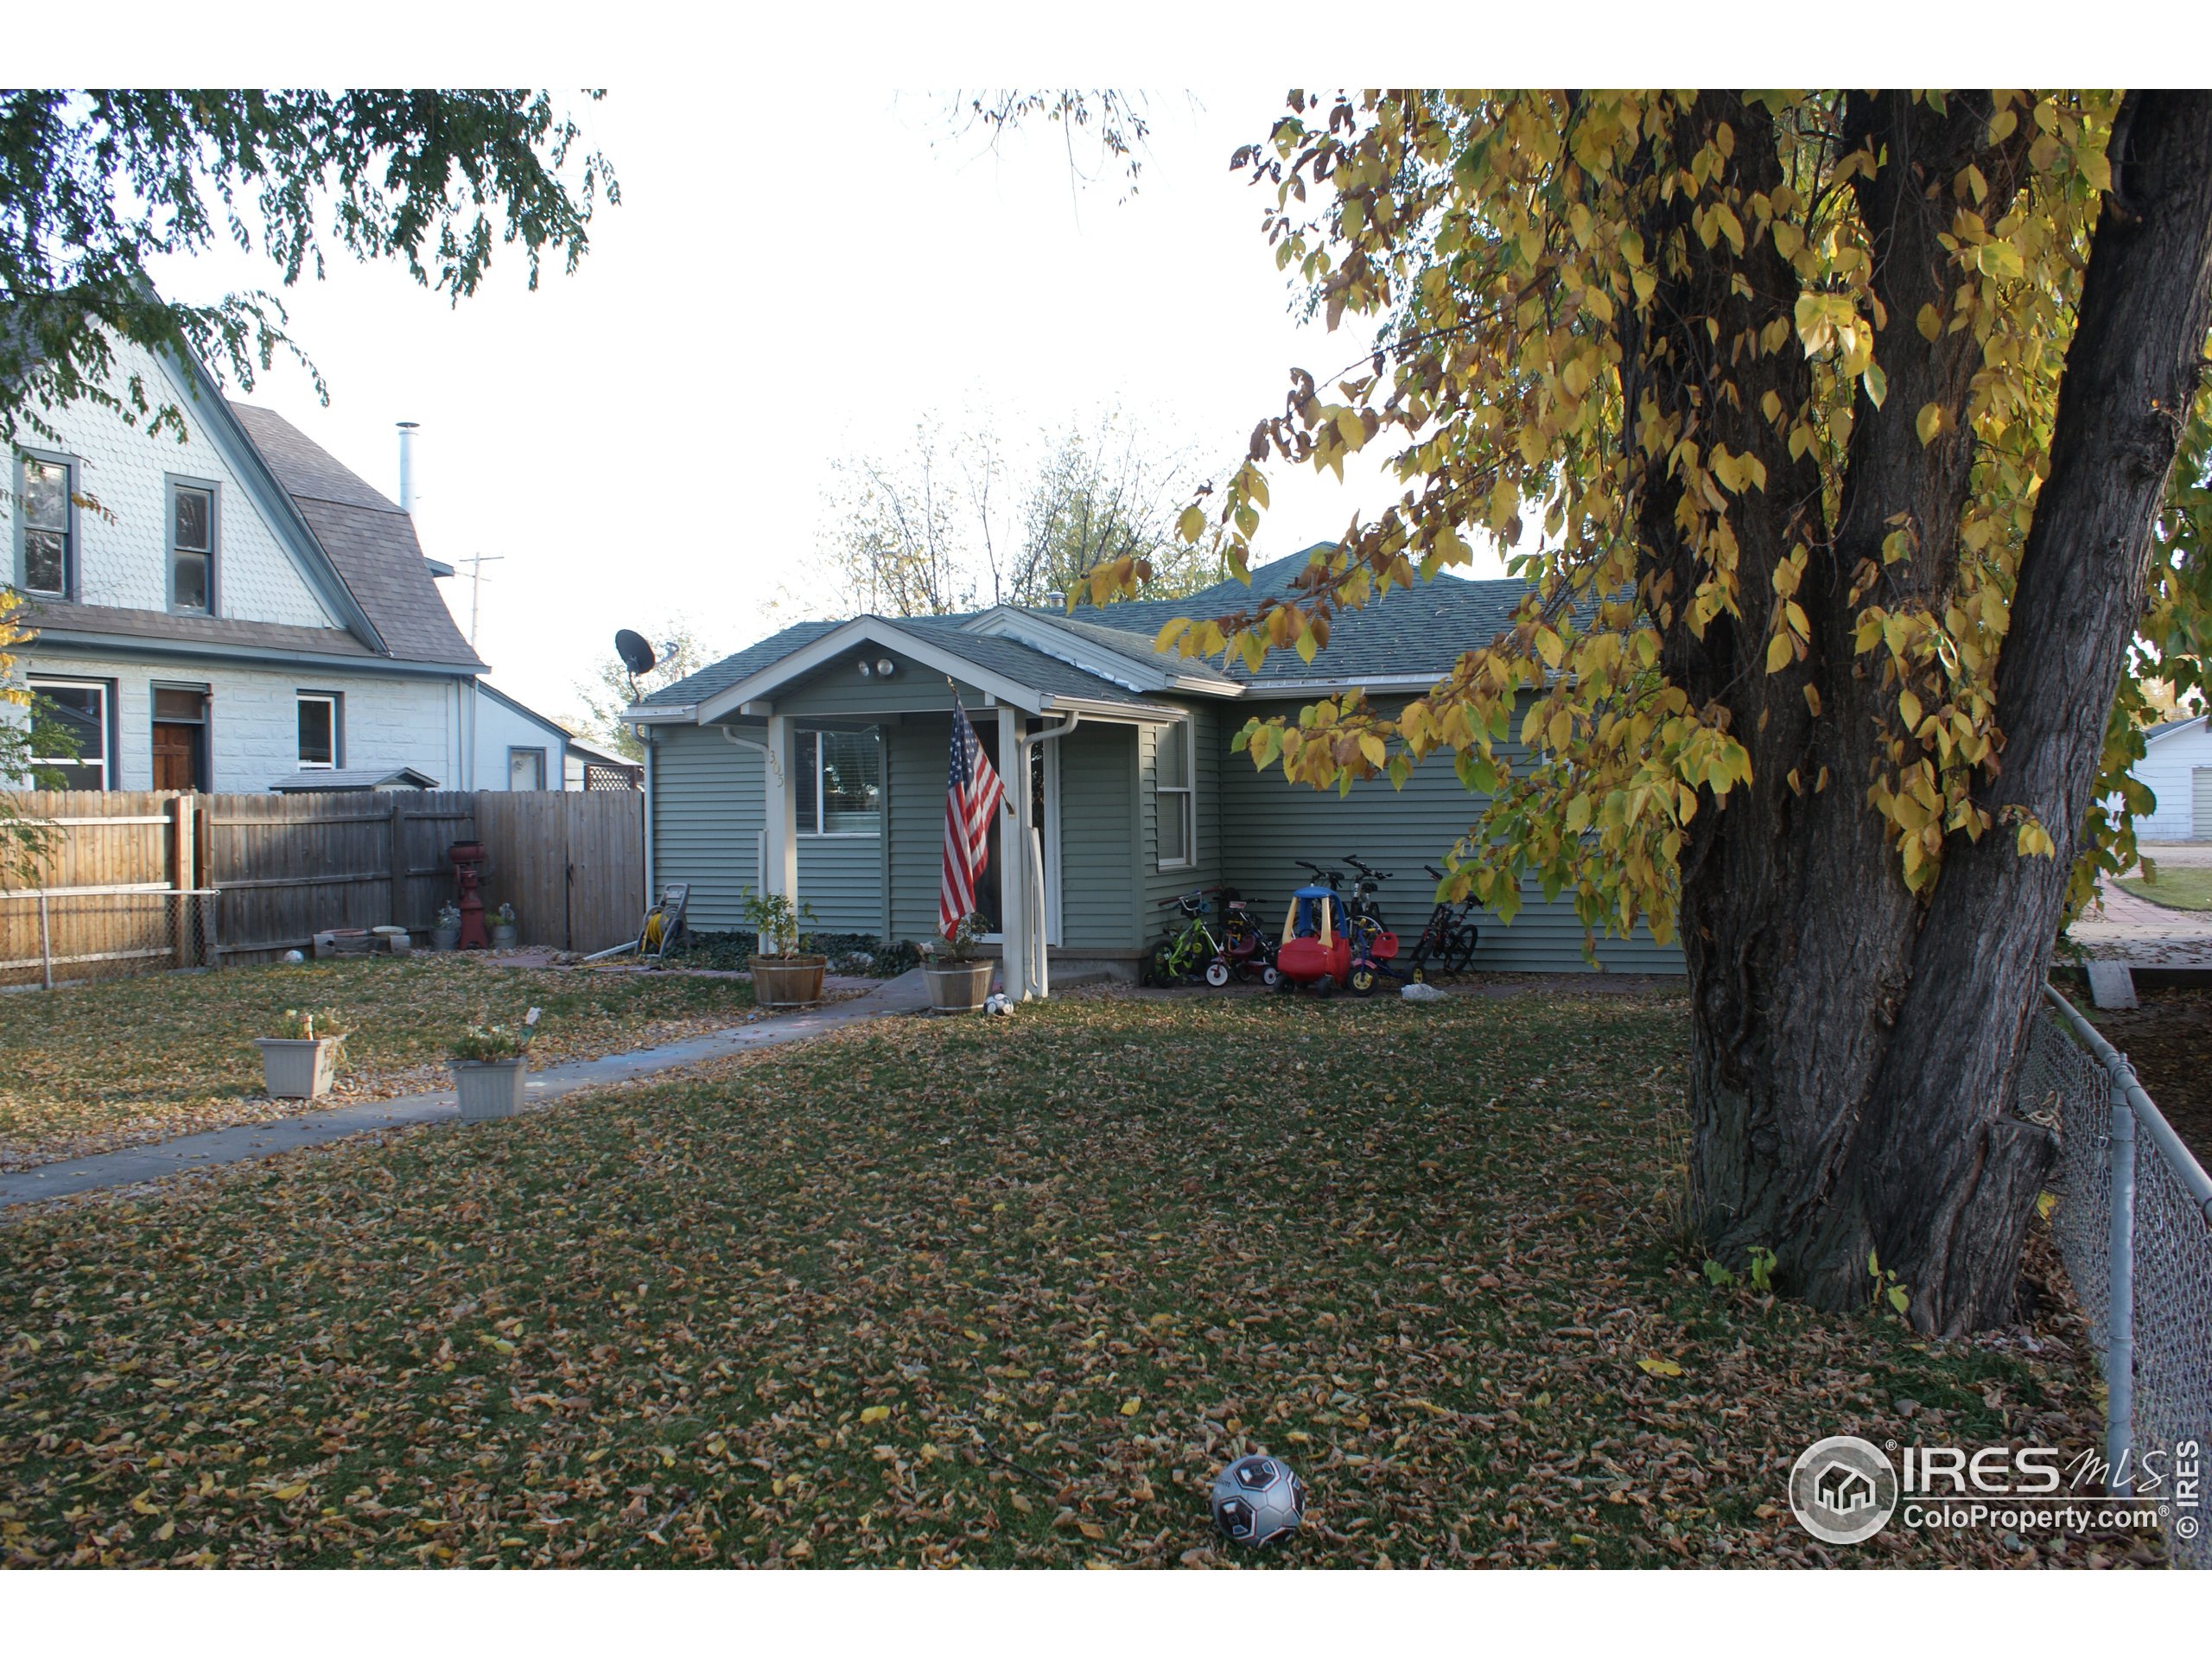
x,y
1033,852
646,737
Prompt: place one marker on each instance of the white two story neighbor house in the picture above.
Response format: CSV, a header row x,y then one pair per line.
x,y
237,612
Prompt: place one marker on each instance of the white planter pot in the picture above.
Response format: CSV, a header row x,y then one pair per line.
x,y
297,1068
489,1089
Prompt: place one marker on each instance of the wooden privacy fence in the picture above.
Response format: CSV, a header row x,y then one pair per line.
x,y
283,868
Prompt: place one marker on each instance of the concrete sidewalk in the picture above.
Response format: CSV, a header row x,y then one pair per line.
x,y
2118,926
907,993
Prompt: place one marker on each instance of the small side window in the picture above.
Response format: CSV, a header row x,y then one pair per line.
x,y
1175,798
318,722
46,552
191,547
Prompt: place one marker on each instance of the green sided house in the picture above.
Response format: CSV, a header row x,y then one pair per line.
x,y
815,763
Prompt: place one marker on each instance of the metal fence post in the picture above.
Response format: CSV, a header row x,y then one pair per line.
x,y
2119,1304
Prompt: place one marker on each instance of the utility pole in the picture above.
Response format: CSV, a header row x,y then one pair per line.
x,y
476,562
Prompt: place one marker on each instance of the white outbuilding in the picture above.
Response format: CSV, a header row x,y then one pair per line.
x,y
2177,769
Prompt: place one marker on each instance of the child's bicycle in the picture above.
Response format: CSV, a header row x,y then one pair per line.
x,y
1193,950
1447,943
1373,943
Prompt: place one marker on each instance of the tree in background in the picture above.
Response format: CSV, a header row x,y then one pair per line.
x,y
93,184
1848,421
677,651
955,521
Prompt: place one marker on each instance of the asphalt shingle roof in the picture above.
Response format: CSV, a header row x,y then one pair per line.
x,y
369,539
59,616
1412,631
719,676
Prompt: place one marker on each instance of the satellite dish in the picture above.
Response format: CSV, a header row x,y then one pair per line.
x,y
636,653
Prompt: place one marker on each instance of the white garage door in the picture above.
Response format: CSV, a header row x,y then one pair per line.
x,y
2200,797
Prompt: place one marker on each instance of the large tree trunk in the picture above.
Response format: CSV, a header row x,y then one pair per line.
x,y
1855,1048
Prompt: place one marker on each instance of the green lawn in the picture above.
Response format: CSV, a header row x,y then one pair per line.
x,y
975,1292
98,1066
2179,887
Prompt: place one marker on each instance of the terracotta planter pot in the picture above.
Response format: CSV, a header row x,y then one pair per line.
x,y
787,981
490,1089
959,987
297,1068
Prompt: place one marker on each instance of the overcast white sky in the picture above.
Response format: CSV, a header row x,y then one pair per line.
x,y
803,264
651,436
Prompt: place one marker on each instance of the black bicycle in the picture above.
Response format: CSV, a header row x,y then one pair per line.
x,y
1447,943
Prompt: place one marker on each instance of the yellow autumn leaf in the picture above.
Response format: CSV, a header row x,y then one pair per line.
x,y
1778,653
874,1413
1930,422
1372,747
1652,1365
1192,525
1131,1406
286,1494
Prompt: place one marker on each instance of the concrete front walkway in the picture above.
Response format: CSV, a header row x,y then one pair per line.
x,y
2119,927
905,995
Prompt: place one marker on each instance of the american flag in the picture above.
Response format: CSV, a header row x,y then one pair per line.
x,y
972,792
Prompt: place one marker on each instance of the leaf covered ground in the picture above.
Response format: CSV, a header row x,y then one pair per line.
x,y
91,1068
981,1292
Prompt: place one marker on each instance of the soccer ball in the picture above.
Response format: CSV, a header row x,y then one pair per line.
x,y
1258,1499
998,1002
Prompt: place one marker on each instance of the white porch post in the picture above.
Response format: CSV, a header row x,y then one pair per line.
x,y
781,801
1013,855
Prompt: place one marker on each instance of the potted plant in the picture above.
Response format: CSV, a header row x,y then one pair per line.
x,y
504,934
489,1066
446,933
302,1064
784,976
958,980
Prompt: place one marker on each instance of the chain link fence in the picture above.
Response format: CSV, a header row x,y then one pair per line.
x,y
65,936
2134,1228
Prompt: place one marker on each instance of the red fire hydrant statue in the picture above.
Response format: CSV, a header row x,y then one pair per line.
x,y
465,856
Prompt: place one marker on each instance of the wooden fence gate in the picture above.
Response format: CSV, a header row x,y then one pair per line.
x,y
287,867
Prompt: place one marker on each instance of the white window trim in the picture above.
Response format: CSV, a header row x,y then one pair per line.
x,y
106,689
818,833
1185,795
337,736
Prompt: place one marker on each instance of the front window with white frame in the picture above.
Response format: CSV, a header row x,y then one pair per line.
x,y
319,731
840,782
69,732
1175,797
